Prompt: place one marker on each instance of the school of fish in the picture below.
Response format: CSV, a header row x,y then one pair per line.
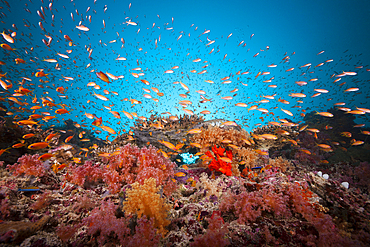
x,y
103,75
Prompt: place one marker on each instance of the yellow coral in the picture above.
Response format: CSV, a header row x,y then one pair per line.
x,y
248,156
145,200
214,135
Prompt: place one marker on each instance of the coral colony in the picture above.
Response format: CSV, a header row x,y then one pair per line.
x,y
234,194
197,179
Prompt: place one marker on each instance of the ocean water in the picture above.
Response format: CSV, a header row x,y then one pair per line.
x,y
248,37
67,65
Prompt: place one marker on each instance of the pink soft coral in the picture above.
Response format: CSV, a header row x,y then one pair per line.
x,y
215,234
136,165
102,221
145,235
248,206
131,165
29,165
88,172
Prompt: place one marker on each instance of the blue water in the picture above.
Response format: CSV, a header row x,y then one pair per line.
x,y
298,29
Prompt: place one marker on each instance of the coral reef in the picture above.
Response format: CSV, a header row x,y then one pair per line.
x,y
236,194
167,123
280,135
131,164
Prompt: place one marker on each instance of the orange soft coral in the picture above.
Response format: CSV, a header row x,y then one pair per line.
x,y
145,200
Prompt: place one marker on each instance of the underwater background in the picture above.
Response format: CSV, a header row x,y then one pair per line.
x,y
184,122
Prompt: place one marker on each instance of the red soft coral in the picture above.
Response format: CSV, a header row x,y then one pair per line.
x,y
217,163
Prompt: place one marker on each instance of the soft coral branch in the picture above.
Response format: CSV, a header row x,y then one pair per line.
x,y
29,165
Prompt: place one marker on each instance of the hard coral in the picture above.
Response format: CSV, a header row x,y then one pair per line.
x,y
158,122
145,200
17,231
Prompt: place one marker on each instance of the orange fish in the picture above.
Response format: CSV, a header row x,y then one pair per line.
x,y
60,90
305,151
346,134
108,129
102,76
68,138
38,145
47,118
168,144
35,116
190,112
7,47
50,136
226,159
61,167
26,122
195,145
180,174
356,112
41,74
229,123
27,136
61,111
268,136
19,60
98,121
205,112
194,131
356,143
8,37
261,152
46,156
18,145
325,114
241,104
3,150
287,112
324,146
